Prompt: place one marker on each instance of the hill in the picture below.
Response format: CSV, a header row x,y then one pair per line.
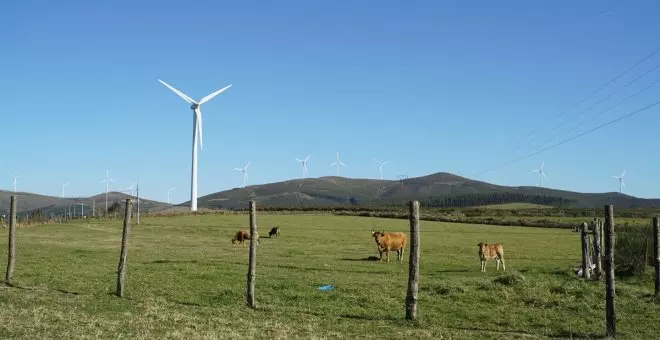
x,y
435,190
28,202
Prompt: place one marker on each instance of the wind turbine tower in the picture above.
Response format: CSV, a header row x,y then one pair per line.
x,y
245,175
168,194
15,178
197,135
64,185
303,164
338,163
380,167
541,174
621,184
107,181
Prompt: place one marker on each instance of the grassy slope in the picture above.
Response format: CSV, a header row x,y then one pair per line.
x,y
185,280
515,206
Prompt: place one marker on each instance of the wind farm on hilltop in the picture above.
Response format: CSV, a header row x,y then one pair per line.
x,y
408,171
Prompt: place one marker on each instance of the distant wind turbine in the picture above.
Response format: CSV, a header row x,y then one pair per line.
x,y
245,175
621,184
15,178
168,194
107,181
541,174
303,164
380,167
63,185
338,163
197,133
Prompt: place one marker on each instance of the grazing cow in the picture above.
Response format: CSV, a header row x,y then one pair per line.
x,y
490,251
395,241
242,236
274,231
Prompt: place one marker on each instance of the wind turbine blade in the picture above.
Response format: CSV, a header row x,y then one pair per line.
x,y
623,183
342,163
299,160
333,164
623,173
198,114
179,93
210,96
308,158
238,169
247,165
542,164
385,162
544,176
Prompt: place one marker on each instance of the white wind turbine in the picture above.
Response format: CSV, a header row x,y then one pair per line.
x,y
303,164
338,163
197,133
380,167
168,194
541,174
245,175
107,181
64,185
621,184
15,178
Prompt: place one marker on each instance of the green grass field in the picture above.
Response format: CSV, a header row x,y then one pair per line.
x,y
185,280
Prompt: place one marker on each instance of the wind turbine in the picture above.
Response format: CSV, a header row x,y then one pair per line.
x,y
15,178
63,185
338,163
197,133
621,184
304,165
168,194
541,174
107,181
245,175
380,167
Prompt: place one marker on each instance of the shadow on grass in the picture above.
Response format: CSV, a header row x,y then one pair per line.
x,y
559,335
173,261
66,291
370,258
367,317
284,266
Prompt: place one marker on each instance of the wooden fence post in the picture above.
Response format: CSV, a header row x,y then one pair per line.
x,y
413,265
121,269
597,250
610,312
253,255
11,258
584,236
656,253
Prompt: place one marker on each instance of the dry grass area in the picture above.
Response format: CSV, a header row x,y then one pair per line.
x,y
185,280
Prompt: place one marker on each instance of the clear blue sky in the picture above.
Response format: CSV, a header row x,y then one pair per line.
x,y
432,85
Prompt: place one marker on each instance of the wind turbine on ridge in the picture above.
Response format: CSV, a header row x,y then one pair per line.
x,y
168,194
107,181
380,167
621,184
338,163
63,185
541,174
245,175
15,178
197,135
303,164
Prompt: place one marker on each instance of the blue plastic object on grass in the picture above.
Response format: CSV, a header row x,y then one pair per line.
x,y
326,287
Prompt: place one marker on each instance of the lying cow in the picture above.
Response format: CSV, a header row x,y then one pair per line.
x,y
242,236
274,231
490,251
385,242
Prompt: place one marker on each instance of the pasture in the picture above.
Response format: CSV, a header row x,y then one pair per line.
x,y
185,280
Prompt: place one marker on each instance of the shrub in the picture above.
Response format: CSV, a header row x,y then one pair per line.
x,y
631,250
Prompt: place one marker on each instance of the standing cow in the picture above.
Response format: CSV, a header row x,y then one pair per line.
x,y
395,241
274,231
490,251
242,236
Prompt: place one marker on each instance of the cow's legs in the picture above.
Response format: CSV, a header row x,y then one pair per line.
x,y
402,250
388,255
483,265
497,260
503,266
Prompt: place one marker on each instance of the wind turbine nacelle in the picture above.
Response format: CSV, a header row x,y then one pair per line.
x,y
194,106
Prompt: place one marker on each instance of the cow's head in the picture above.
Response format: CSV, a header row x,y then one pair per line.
x,y
377,235
482,246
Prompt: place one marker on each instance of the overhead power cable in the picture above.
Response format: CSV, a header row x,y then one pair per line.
x,y
569,139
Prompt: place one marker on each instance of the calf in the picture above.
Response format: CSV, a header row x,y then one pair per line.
x,y
490,251
274,231
395,241
242,236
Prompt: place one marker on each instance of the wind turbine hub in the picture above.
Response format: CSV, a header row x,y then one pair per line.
x,y
194,106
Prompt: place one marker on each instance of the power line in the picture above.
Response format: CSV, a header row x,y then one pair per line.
x,y
570,139
593,93
602,100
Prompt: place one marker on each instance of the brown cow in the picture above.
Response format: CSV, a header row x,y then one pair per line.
x,y
242,236
390,241
490,251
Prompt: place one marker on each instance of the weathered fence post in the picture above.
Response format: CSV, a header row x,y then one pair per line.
x,y
656,253
253,255
121,269
11,258
413,265
610,312
584,236
597,250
